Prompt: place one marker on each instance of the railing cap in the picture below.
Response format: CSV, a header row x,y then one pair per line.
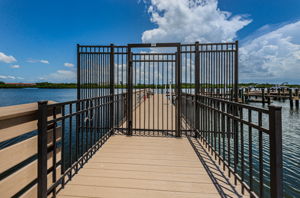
x,y
42,102
275,107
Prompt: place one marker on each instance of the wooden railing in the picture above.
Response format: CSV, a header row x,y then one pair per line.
x,y
19,148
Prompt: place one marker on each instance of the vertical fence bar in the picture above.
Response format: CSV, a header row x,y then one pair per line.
x,y
78,72
54,163
178,92
275,122
197,88
129,91
42,149
112,87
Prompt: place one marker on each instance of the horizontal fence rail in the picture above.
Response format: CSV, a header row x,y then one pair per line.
x,y
246,140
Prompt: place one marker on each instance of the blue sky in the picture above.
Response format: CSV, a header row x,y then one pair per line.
x,y
38,38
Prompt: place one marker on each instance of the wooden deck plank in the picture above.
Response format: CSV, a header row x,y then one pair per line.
x,y
112,173
111,192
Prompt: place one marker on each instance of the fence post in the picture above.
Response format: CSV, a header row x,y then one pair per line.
x,y
197,87
112,87
129,91
236,72
78,104
275,124
178,92
263,96
42,149
78,72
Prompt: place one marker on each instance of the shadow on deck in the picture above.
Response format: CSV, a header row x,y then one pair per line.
x,y
151,167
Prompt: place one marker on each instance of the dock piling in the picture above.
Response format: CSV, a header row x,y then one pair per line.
x,y
291,98
297,98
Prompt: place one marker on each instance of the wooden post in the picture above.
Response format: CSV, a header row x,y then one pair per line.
x,y
297,98
247,95
242,95
291,98
268,97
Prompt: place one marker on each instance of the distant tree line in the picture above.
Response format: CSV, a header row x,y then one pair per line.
x,y
40,85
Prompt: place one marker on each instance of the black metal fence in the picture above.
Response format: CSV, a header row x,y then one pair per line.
x,y
246,140
211,69
166,68
85,124
101,69
197,82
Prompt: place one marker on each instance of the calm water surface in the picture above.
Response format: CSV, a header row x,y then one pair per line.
x,y
291,128
291,148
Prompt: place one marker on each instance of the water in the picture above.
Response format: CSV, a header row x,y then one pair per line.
x,y
291,148
290,121
22,96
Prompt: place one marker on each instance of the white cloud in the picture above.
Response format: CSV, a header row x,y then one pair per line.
x,y
68,64
190,21
44,61
15,66
7,59
3,77
273,56
60,76
8,77
37,61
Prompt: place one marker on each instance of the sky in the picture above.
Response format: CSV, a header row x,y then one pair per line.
x,y
38,38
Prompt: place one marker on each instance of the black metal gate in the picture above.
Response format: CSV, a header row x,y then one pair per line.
x,y
150,106
153,80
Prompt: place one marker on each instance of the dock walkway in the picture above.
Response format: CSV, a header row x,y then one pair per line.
x,y
139,166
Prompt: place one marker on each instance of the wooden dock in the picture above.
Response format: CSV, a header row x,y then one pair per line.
x,y
149,167
268,95
139,166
